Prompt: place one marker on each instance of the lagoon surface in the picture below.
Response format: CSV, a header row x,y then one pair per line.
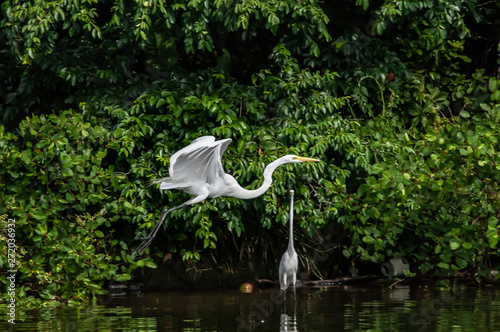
x,y
335,308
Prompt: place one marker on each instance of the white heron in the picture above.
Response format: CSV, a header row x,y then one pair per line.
x,y
289,261
197,170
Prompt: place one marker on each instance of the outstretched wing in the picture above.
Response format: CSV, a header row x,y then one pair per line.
x,y
197,163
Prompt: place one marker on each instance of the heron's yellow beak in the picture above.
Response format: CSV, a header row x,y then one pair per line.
x,y
306,159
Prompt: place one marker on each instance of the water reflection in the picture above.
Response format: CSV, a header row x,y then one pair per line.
x,y
317,309
288,324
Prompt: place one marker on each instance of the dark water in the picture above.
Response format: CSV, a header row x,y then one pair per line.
x,y
370,308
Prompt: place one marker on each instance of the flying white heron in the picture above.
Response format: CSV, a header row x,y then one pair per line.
x,y
197,170
289,261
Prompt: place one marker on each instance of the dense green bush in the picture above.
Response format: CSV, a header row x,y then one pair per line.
x,y
97,95
54,185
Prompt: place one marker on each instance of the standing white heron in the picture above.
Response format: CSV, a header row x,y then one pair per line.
x,y
289,261
197,170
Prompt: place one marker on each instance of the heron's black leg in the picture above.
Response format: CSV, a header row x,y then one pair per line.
x,y
149,239
294,288
284,302
295,300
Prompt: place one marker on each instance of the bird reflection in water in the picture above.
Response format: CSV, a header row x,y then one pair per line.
x,y
288,323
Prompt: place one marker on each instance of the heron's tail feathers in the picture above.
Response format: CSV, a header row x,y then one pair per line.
x,y
162,180
169,183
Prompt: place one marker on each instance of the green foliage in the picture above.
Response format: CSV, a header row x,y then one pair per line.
x,y
97,95
54,186
435,200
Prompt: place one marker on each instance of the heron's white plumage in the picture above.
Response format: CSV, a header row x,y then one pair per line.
x,y
197,164
289,261
288,269
197,170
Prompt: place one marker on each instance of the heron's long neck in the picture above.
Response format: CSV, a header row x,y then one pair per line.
x,y
290,240
268,180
